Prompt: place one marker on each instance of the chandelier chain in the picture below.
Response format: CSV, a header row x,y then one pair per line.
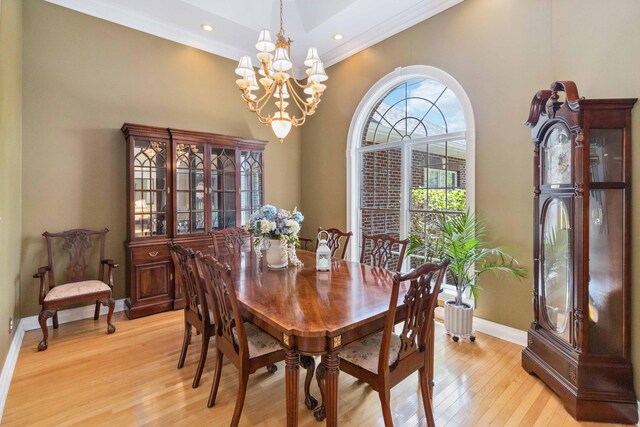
x,y
281,20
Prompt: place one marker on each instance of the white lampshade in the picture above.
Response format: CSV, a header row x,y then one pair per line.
x,y
253,84
281,60
312,57
245,67
308,90
281,125
264,42
317,73
285,92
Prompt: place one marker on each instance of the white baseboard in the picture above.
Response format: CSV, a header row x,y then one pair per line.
x,y
30,323
10,364
494,329
71,315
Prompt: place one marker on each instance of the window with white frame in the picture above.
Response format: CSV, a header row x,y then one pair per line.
x,y
412,160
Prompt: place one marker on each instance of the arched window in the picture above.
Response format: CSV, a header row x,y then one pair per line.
x,y
410,156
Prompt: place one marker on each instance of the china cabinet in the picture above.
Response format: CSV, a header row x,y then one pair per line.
x,y
180,186
579,343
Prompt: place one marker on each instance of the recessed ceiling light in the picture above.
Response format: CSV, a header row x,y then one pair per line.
x,y
206,27
338,36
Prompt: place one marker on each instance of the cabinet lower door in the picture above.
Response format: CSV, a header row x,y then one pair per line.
x,y
151,289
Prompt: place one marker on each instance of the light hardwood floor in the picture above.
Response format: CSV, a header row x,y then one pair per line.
x,y
87,377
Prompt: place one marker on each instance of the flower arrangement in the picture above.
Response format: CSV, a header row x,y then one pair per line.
x,y
270,223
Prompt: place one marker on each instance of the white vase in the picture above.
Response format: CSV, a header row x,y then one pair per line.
x,y
458,320
276,254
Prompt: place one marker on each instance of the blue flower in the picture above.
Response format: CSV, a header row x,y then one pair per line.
x,y
268,212
297,216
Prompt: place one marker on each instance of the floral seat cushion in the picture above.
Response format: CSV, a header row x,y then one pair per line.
x,y
366,352
260,343
69,290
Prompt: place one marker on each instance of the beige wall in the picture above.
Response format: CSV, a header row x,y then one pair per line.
x,y
85,77
10,165
599,48
498,51
502,52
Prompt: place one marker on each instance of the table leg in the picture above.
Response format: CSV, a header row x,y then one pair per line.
x,y
291,373
331,364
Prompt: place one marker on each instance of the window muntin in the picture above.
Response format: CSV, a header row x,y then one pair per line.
x,y
412,162
412,110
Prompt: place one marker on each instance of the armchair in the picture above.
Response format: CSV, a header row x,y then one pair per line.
x,y
77,286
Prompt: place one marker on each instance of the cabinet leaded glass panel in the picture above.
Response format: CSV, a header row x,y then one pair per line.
x,y
223,188
150,188
190,189
250,183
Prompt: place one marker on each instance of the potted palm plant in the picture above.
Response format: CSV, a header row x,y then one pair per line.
x,y
461,239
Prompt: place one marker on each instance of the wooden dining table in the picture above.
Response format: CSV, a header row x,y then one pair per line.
x,y
314,313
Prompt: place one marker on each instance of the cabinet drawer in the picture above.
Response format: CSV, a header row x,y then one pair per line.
x,y
150,254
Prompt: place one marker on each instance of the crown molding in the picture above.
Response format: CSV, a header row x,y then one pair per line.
x,y
128,18
391,27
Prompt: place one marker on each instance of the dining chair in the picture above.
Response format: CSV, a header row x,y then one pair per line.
x,y
384,359
244,344
336,239
379,249
232,240
197,313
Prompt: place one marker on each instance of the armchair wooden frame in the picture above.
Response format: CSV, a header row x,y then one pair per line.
x,y
414,343
196,306
382,250
76,243
334,238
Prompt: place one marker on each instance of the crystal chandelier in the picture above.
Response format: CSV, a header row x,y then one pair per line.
x,y
280,83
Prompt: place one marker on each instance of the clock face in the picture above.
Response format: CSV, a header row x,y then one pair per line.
x,y
557,157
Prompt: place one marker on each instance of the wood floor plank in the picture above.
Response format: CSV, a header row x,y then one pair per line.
x,y
130,378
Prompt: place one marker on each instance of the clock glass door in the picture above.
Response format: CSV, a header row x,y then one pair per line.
x,y
556,264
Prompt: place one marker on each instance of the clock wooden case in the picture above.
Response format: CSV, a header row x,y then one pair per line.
x,y
181,185
579,343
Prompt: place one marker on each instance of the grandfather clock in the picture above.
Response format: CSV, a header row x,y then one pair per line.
x,y
579,343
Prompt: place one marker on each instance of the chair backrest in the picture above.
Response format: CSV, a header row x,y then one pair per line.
x,y
421,300
229,241
334,240
216,279
77,244
378,250
195,299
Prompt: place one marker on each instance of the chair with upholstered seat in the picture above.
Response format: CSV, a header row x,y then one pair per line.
x,y
384,359
197,313
77,286
244,344
232,240
380,249
336,239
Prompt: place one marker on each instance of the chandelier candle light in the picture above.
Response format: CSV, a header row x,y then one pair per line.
x,y
280,83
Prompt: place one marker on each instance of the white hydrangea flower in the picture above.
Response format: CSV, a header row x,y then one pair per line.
x,y
267,226
293,226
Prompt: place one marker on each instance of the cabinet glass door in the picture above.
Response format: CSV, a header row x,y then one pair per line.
x,y
250,183
556,157
223,188
190,189
556,264
149,188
